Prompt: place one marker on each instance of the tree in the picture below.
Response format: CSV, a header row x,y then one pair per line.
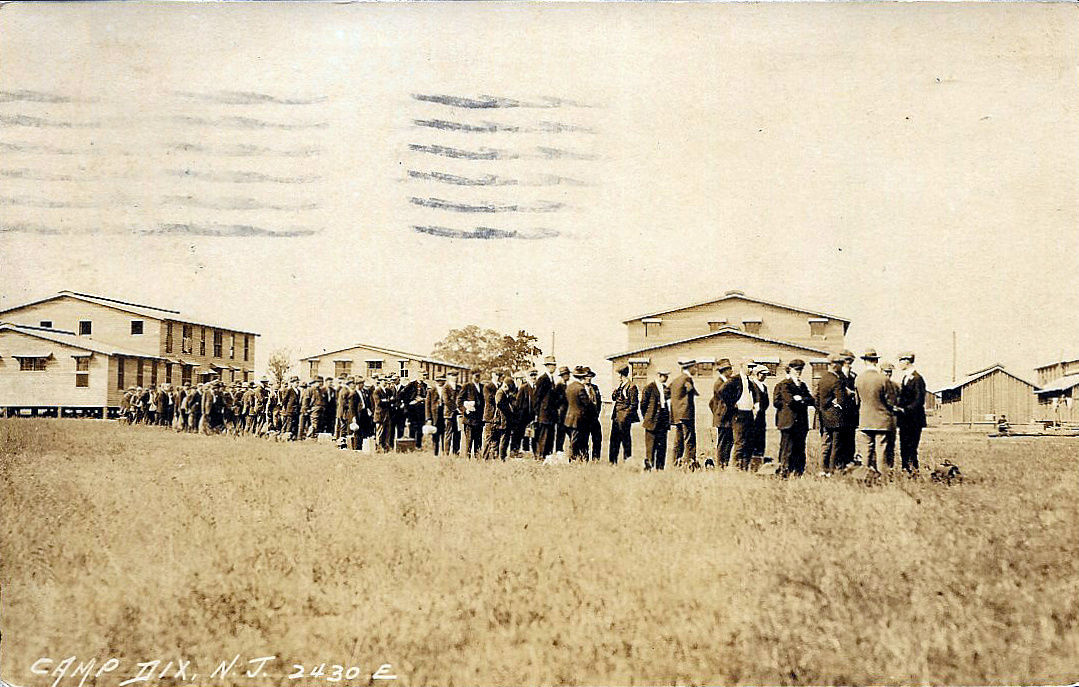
x,y
278,364
486,349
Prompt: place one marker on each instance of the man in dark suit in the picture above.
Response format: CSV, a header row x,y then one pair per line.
x,y
505,417
850,412
792,402
656,420
911,407
580,409
471,409
740,395
721,415
364,410
414,398
623,415
545,409
760,417
384,400
437,408
595,430
559,392
683,416
525,414
831,399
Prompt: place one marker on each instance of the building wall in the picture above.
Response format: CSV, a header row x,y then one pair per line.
x,y
734,347
359,357
1062,406
229,357
776,323
108,325
54,386
1048,373
989,397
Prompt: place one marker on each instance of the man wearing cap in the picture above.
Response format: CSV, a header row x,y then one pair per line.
x,y
721,414
656,420
559,391
792,402
683,416
451,440
623,415
545,408
831,399
740,396
505,415
470,406
876,417
520,440
760,417
911,418
595,430
850,412
580,409
414,398
385,408
344,409
437,407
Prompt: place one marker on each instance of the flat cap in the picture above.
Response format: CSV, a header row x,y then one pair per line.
x,y
724,364
796,364
563,370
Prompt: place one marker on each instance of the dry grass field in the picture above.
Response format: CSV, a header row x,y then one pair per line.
x,y
141,544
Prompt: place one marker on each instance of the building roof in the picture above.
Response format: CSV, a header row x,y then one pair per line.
x,y
738,295
719,332
125,306
979,374
1062,361
69,339
1062,384
389,351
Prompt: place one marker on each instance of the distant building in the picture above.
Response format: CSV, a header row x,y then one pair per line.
x,y
1058,393
986,394
74,353
367,360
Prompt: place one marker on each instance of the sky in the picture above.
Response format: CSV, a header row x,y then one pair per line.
x,y
326,174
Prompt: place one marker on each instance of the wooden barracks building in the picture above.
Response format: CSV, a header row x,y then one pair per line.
x,y
366,360
75,353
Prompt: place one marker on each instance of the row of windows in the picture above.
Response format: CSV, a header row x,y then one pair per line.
x,y
374,367
39,364
816,327
187,346
706,368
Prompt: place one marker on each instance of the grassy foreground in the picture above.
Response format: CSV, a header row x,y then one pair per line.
x,y
140,544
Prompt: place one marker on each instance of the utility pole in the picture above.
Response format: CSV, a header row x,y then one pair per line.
x,y
552,342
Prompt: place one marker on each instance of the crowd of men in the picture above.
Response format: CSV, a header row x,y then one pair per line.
x,y
556,412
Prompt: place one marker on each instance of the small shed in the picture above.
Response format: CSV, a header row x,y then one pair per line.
x,y
1058,400
985,395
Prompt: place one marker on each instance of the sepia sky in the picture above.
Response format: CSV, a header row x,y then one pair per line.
x,y
912,167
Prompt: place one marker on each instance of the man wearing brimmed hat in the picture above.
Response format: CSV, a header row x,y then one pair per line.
x,y
438,410
470,408
759,435
595,430
580,411
831,400
721,413
545,406
792,401
656,420
911,406
522,402
559,392
741,396
683,415
876,417
383,400
623,415
414,399
849,428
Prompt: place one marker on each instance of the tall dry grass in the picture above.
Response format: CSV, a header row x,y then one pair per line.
x,y
142,544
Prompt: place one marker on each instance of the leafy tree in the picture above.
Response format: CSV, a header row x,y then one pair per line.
x,y
486,349
279,364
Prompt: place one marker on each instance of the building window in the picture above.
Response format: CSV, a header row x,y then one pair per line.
x,y
185,339
752,326
374,367
202,341
120,372
82,371
816,328
168,373
342,368
138,372
651,326
704,368
185,374
85,328
217,343
951,395
247,346
153,372
313,368
47,324
639,370
404,369
716,325
232,347
32,364
136,327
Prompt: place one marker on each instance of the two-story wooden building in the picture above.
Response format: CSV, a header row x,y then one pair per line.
x,y
1058,391
368,361
139,345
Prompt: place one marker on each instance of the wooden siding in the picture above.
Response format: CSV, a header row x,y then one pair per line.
x,y
55,385
1049,373
359,355
775,323
989,397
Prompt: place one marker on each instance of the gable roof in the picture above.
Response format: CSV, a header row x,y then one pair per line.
x,y
975,376
125,306
1063,384
389,351
720,332
738,295
69,339
1062,361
